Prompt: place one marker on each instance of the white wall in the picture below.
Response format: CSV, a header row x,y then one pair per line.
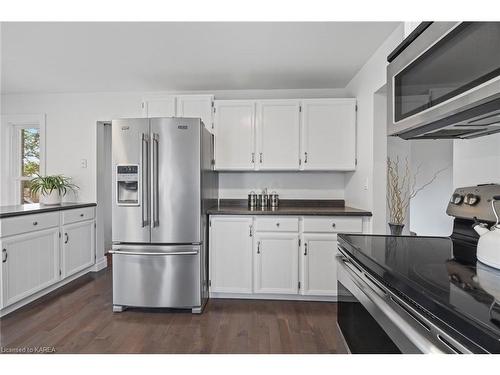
x,y
71,125
359,184
428,209
289,185
476,161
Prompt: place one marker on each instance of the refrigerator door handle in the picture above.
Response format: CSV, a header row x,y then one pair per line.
x,y
156,198
153,254
145,179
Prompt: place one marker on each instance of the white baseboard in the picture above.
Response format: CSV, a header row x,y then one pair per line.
x,y
100,264
286,297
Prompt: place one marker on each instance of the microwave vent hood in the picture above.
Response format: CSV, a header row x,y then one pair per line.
x,y
443,82
475,122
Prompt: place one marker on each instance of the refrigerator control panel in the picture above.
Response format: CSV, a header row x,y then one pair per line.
x,y
127,185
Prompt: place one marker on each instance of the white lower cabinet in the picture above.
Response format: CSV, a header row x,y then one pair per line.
x,y
30,263
41,251
318,267
78,247
276,263
231,254
276,257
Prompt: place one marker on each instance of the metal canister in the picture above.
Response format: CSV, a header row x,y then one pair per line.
x,y
274,199
263,200
252,200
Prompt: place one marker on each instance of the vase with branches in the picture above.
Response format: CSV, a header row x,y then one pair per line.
x,y
401,189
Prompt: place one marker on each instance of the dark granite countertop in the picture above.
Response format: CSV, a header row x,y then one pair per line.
x,y
297,207
460,296
35,208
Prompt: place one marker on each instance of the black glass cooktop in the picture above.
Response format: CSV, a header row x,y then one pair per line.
x,y
436,274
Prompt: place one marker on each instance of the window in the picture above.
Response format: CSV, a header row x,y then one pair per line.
x,y
25,159
28,156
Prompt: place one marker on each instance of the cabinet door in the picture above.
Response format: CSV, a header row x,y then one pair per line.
x,y
231,254
196,106
278,130
276,263
318,267
159,107
234,135
329,134
30,263
78,248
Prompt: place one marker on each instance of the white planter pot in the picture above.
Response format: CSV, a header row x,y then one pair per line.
x,y
51,198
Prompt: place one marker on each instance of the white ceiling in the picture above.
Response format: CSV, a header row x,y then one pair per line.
x,y
82,57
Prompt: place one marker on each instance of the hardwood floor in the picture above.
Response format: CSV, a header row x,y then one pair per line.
x,y
78,319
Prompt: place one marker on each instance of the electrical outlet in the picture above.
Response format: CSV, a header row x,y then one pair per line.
x,y
83,163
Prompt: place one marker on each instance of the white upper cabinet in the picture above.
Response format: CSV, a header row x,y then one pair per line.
x,y
278,132
196,106
159,107
329,134
234,135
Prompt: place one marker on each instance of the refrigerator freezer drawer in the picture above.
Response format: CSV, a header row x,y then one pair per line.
x,y
157,276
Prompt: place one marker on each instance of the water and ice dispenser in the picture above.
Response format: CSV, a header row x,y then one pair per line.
x,y
127,185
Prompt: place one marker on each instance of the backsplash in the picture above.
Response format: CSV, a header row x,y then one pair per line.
x,y
289,185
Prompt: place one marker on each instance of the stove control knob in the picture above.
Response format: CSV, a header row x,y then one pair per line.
x,y
456,199
471,199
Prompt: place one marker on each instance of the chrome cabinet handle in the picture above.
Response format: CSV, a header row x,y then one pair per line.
x,y
156,187
305,248
35,223
333,225
66,238
305,157
260,157
145,178
278,225
253,157
250,233
4,255
258,247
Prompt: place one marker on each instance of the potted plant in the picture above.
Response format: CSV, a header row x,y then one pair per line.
x,y
51,188
401,188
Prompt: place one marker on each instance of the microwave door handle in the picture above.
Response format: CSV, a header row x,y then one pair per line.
x,y
156,203
145,179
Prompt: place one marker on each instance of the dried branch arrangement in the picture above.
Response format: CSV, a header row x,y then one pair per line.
x,y
402,187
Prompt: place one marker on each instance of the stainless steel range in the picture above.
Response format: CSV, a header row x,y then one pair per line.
x,y
163,182
417,294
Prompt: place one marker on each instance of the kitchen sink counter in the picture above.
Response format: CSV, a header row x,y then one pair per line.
x,y
28,209
296,207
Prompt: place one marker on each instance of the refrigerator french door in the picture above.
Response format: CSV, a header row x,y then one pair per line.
x,y
158,239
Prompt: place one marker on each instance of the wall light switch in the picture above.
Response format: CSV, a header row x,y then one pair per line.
x,y
83,163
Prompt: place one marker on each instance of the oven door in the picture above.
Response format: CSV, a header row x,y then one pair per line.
x,y
360,331
448,69
373,319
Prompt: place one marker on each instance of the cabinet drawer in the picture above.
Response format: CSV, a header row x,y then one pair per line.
x,y
77,214
278,224
333,224
28,223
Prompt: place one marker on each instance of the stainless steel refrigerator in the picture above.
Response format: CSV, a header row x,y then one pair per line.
x,y
163,182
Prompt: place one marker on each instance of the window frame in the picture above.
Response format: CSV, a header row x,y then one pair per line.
x,y
11,125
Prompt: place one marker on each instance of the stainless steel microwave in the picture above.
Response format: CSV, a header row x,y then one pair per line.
x,y
443,81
